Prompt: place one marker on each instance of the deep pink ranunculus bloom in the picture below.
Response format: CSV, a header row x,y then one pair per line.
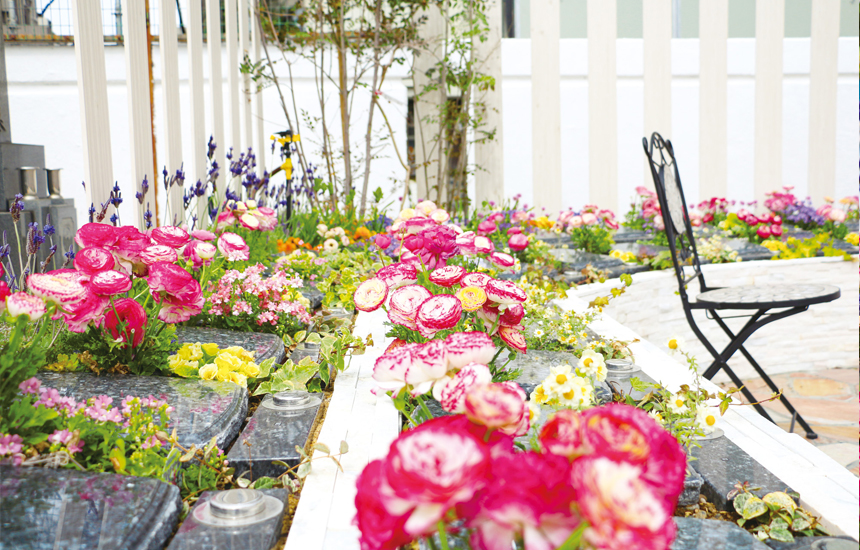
x,y
497,406
133,315
380,530
96,234
469,347
94,259
518,241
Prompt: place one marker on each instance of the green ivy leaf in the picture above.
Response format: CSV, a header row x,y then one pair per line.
x,y
781,535
753,507
264,483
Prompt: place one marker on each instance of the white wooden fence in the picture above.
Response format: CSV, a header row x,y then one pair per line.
x,y
599,62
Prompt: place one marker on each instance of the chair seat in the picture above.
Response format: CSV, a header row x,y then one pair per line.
x,y
764,297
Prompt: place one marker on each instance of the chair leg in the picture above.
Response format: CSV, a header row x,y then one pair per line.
x,y
810,434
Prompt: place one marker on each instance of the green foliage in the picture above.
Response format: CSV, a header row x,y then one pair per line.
x,y
794,248
20,356
290,376
775,516
592,238
96,350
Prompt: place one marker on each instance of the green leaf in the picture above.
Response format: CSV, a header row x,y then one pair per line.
x,y
780,500
781,535
778,523
626,279
264,483
186,371
304,470
753,507
344,447
322,447
800,523
740,501
574,541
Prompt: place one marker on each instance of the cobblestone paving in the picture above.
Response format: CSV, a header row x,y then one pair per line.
x,y
828,400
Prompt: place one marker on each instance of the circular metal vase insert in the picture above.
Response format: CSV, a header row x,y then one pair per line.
x,y
291,401
716,434
238,507
834,544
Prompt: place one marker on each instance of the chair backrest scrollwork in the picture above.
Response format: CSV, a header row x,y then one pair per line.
x,y
673,209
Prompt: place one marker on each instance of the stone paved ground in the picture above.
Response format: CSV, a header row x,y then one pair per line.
x,y
828,400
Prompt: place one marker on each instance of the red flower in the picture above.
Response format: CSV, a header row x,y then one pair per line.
x,y
513,338
96,234
133,315
763,231
171,236
518,241
380,530
110,282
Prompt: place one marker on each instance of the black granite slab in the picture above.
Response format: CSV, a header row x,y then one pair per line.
x,y
44,509
625,235
577,259
723,464
641,250
534,366
313,295
710,534
202,408
575,277
194,535
815,543
692,488
272,435
264,346
748,251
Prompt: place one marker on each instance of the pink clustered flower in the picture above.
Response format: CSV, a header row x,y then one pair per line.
x,y
248,293
595,467
246,214
592,215
11,445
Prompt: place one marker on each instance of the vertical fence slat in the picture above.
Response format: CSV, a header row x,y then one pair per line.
x,y
170,93
657,71
244,50
822,99
137,83
216,85
546,104
92,94
198,116
602,104
769,32
489,155
257,115
713,98
232,40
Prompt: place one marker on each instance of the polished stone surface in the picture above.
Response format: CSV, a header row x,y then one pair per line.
x,y
272,435
202,408
640,250
314,295
625,235
193,535
263,345
692,489
43,509
535,364
710,534
723,464
748,251
815,543
578,259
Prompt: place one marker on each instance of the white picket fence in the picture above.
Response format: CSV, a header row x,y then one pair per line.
x,y
552,174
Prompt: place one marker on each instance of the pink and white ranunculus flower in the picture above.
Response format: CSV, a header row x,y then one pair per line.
x,y
439,215
398,274
518,241
512,316
429,364
437,313
505,292
498,407
502,260
389,371
21,303
469,347
622,510
466,243
513,337
403,305
109,283
158,253
452,394
476,279
432,468
176,290
96,234
171,236
93,259
233,247
370,294
380,529
132,315
203,235
447,276
90,309
58,289
483,245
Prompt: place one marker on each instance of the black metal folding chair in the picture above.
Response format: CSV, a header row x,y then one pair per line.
x,y
765,304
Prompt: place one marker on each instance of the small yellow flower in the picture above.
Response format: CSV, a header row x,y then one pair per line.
x,y
678,403
239,379
251,370
240,353
208,371
534,412
227,362
210,349
675,343
853,238
472,297
539,395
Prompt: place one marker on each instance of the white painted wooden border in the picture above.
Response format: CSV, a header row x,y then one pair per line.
x,y
198,116
602,105
245,50
213,43
368,423
490,177
546,103
232,37
257,111
822,94
769,32
713,98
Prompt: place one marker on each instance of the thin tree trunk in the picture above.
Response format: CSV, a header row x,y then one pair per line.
x,y
344,108
367,150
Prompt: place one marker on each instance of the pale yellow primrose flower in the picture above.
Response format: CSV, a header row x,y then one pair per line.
x,y
210,349
208,371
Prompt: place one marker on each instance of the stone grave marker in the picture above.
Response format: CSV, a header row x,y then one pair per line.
x,y
46,509
263,345
279,424
576,260
815,543
626,235
202,408
711,534
241,519
313,295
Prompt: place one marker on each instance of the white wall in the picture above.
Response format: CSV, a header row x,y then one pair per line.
x,y
44,110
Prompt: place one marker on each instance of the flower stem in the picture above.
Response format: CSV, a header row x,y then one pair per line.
x,y
443,535
424,408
